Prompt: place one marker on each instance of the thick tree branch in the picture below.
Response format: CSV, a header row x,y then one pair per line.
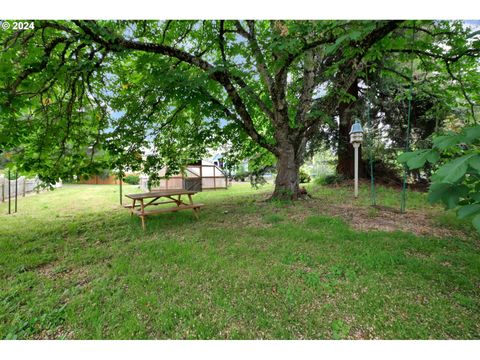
x,y
308,84
348,73
444,57
260,62
251,131
38,67
219,75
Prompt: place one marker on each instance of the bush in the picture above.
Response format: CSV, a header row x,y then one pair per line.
x,y
240,176
329,179
304,177
132,179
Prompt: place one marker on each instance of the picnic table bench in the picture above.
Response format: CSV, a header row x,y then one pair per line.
x,y
172,196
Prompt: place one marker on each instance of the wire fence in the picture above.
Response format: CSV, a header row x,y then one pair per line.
x,y
20,187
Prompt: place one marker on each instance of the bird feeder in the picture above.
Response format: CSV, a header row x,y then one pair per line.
x,y
356,138
356,133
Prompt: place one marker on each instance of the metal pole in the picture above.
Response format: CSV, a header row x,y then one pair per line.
x,y
16,188
356,145
9,201
120,179
370,148
403,200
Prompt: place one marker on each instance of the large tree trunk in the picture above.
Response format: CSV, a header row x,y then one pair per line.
x,y
287,180
345,165
289,154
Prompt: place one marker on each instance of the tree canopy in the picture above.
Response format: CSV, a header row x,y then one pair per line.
x,y
78,96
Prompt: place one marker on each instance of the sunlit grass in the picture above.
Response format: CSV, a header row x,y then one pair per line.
x,y
74,264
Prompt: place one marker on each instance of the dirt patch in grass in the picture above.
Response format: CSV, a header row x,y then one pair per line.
x,y
47,270
79,275
60,332
386,219
387,182
364,218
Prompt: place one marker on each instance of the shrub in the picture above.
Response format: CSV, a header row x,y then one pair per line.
x,y
329,179
240,176
132,179
304,177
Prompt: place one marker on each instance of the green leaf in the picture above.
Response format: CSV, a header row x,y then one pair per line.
x,y
448,194
330,49
475,162
406,156
433,156
437,191
476,222
454,170
355,35
468,210
446,141
472,133
416,159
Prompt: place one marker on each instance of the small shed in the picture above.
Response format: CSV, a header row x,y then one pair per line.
x,y
203,175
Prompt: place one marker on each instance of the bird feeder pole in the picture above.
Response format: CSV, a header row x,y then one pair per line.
x,y
356,138
356,146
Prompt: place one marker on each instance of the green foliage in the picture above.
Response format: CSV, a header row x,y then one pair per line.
x,y
417,159
241,175
456,183
80,96
321,162
260,164
5,173
83,96
329,179
304,177
132,179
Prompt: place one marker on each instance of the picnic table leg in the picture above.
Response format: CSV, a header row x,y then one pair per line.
x,y
142,214
133,207
191,203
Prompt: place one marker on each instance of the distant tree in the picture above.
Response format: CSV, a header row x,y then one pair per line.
x,y
444,85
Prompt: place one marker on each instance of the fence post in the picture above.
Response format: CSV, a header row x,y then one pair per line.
x,y
120,177
16,189
24,185
9,201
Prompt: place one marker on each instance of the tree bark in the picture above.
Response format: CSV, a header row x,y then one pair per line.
x,y
345,165
287,180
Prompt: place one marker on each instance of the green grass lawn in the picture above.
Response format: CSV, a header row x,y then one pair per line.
x,y
74,264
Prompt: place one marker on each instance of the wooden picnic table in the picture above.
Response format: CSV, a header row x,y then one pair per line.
x,y
172,196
